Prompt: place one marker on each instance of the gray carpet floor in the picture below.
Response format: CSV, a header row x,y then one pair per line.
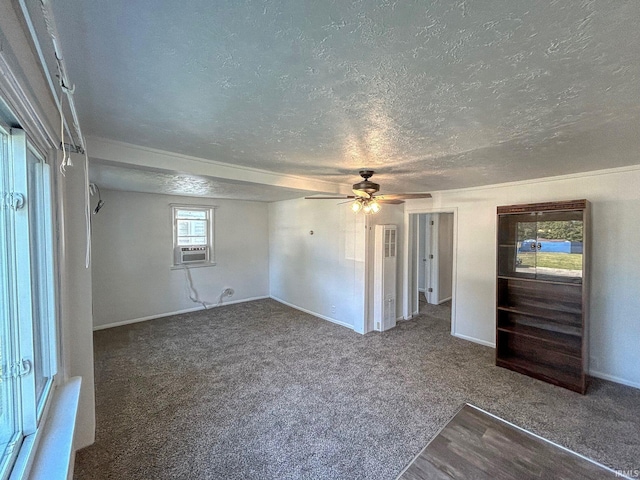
x,y
442,311
262,391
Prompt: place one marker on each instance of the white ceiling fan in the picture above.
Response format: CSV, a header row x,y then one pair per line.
x,y
366,197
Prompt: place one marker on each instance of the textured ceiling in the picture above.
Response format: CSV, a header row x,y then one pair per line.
x,y
147,180
432,94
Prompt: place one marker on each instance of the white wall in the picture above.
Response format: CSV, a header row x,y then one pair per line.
x,y
322,273
132,256
77,334
615,272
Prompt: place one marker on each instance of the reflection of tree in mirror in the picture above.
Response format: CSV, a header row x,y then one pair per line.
x,y
526,231
567,230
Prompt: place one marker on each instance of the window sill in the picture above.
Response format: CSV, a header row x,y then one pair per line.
x,y
193,265
52,459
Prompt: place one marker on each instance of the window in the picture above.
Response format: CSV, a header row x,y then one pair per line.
x,y
9,424
192,235
27,312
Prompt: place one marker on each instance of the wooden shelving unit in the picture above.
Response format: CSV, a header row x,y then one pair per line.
x,y
542,290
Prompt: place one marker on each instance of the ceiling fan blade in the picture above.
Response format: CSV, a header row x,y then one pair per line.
x,y
402,196
361,193
380,200
343,197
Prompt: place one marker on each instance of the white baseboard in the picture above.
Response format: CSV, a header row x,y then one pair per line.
x,y
613,378
323,317
443,300
422,290
168,314
474,340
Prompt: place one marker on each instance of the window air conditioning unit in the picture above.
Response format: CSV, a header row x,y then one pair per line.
x,y
194,254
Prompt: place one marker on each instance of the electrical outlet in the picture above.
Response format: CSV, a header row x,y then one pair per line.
x,y
593,362
333,309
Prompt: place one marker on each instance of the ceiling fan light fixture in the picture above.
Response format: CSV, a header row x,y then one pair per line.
x,y
366,205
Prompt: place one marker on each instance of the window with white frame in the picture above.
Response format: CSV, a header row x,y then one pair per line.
x,y
28,350
192,235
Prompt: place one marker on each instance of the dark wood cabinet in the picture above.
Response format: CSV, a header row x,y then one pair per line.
x,y
542,290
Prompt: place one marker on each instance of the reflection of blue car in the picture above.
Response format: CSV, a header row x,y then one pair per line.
x,y
527,246
550,246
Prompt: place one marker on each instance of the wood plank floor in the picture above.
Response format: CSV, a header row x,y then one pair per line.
x,y
476,445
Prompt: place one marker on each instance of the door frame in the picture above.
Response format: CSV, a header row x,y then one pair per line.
x,y
409,283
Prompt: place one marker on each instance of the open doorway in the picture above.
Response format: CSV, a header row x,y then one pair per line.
x,y
435,264
429,283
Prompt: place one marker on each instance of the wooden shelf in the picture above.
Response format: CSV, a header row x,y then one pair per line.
x,y
540,314
572,343
569,380
508,317
541,280
558,316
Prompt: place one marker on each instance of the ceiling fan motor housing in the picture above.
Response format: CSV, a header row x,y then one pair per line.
x,y
366,185
365,190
